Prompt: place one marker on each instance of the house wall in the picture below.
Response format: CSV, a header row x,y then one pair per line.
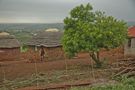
x,y
33,54
130,50
9,54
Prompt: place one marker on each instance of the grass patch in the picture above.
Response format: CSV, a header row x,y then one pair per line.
x,y
124,84
41,79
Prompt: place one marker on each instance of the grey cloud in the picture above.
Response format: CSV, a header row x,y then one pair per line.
x,y
56,10
122,9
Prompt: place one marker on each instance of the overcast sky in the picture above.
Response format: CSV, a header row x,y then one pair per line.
x,y
52,11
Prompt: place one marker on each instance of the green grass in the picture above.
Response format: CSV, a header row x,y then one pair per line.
x,y
124,84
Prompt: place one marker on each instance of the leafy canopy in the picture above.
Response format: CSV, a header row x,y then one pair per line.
x,y
86,30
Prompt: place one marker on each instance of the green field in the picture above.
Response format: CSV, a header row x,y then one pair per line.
x,y
24,32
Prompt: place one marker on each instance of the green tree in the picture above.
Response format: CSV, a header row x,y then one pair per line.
x,y
88,30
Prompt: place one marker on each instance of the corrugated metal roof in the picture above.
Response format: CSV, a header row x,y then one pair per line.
x,y
131,31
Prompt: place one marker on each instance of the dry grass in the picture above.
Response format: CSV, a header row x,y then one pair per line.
x,y
73,73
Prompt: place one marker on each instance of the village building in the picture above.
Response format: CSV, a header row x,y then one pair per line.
x,y
129,48
48,42
9,47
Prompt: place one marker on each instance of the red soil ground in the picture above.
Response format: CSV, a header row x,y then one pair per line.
x,y
18,69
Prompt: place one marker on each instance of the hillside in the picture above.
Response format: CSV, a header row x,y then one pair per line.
x,y
25,31
30,26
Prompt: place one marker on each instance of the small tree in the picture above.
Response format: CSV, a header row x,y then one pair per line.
x,y
86,30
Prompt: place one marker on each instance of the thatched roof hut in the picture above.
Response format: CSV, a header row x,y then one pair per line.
x,y
49,41
48,38
8,41
9,47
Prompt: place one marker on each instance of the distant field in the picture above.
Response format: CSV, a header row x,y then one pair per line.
x,y
23,32
30,26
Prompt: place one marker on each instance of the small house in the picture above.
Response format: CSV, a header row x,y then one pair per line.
x,y
130,43
9,47
49,42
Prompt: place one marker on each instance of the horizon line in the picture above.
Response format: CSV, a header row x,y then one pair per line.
x,y
32,23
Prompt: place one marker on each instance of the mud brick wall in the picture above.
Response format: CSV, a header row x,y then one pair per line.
x,y
31,54
9,54
53,53
129,50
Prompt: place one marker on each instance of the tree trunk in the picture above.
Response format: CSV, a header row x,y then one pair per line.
x,y
95,57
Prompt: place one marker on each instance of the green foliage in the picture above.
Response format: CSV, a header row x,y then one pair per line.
x,y
125,84
24,48
86,30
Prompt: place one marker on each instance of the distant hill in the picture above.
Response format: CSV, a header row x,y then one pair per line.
x,y
131,23
24,32
30,26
